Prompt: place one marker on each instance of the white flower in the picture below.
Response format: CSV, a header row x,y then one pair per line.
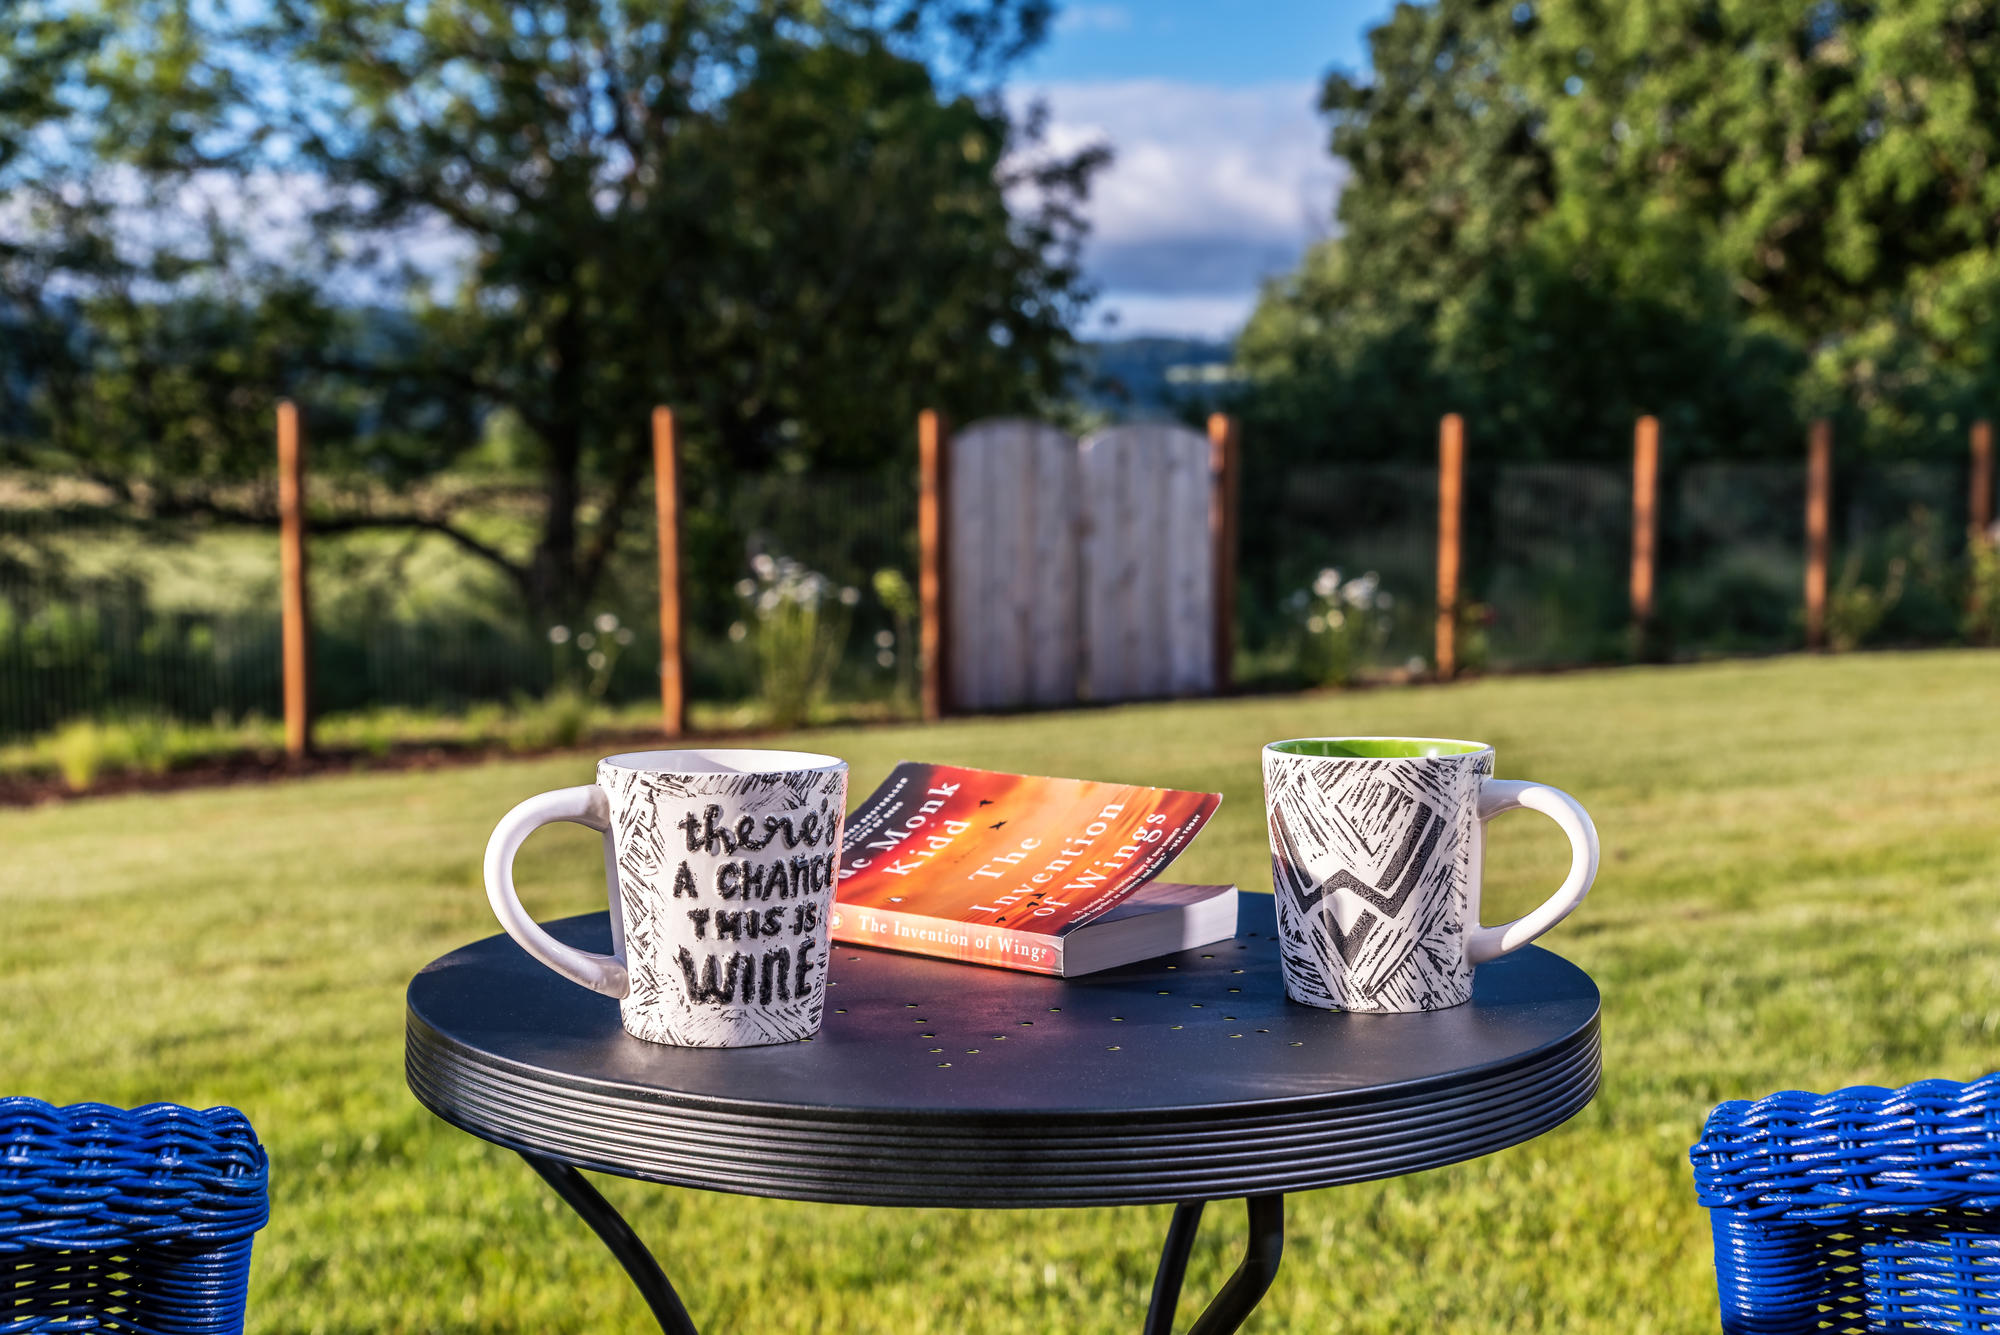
x,y
885,639
586,641
624,635
737,630
606,623
1335,618
1328,583
558,634
767,602
885,658
596,661
1315,623
1415,664
746,588
1361,592
849,595
763,565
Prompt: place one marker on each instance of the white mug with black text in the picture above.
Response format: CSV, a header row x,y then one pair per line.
x,y
721,867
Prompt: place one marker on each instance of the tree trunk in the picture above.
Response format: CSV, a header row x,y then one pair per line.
x,y
554,595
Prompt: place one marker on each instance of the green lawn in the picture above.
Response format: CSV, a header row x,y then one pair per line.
x,y
1798,889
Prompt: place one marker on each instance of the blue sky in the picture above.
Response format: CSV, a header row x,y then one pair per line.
x,y
1222,175
1227,42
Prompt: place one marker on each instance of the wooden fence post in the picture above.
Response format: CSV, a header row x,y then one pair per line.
x,y
933,447
295,635
1819,485
667,510
1645,519
1980,511
1451,497
1224,450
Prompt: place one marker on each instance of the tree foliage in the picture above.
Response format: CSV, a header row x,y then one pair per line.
x,y
1567,212
788,218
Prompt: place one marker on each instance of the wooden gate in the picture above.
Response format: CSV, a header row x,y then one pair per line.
x,y
1011,566
1148,563
1080,570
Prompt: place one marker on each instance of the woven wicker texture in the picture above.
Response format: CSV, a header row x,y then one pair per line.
x,y
129,1221
1862,1210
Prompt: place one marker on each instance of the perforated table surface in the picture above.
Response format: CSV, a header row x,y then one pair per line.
x,y
1182,1079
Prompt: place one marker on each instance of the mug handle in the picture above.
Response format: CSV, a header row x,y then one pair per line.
x,y
1498,795
586,805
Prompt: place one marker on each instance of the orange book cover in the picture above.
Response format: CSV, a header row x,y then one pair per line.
x,y
996,868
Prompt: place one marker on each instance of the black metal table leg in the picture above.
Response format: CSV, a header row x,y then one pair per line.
x,y
1173,1269
616,1234
1263,1250
1227,1311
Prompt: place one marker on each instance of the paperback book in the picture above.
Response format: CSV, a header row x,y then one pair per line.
x,y
1047,875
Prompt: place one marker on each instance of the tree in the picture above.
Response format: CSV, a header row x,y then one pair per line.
x,y
1563,213
774,214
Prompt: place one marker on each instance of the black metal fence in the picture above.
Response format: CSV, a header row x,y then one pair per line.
x,y
102,615
1547,558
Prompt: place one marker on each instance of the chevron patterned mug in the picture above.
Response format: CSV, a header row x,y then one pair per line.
x,y
721,866
1377,845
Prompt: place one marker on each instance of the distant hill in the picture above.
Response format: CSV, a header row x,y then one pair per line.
x,y
1136,379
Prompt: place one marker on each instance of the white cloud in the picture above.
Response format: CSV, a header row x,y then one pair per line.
x,y
1184,317
1094,18
266,217
1212,190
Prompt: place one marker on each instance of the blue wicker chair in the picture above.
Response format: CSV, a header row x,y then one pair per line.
x,y
136,1221
1859,1211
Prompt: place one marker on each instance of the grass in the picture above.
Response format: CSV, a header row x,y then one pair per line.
x,y
1798,888
85,751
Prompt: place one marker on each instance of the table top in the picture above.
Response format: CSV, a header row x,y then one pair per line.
x,y
1188,1077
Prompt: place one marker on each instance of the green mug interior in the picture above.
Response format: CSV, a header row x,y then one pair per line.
x,y
1377,748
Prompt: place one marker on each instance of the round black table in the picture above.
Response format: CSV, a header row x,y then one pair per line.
x,y
1183,1079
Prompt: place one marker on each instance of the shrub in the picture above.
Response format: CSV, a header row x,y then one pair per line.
x,y
82,750
797,624
1981,622
1345,623
85,750
1475,636
896,650
1854,610
596,649
559,719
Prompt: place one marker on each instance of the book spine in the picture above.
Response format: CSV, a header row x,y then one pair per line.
x,y
975,943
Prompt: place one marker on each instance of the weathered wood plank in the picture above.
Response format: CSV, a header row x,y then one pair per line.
x,y
1109,571
933,460
1225,446
1054,644
1980,509
966,566
1645,516
1012,563
667,517
1819,491
1451,504
1190,618
1149,573
295,619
